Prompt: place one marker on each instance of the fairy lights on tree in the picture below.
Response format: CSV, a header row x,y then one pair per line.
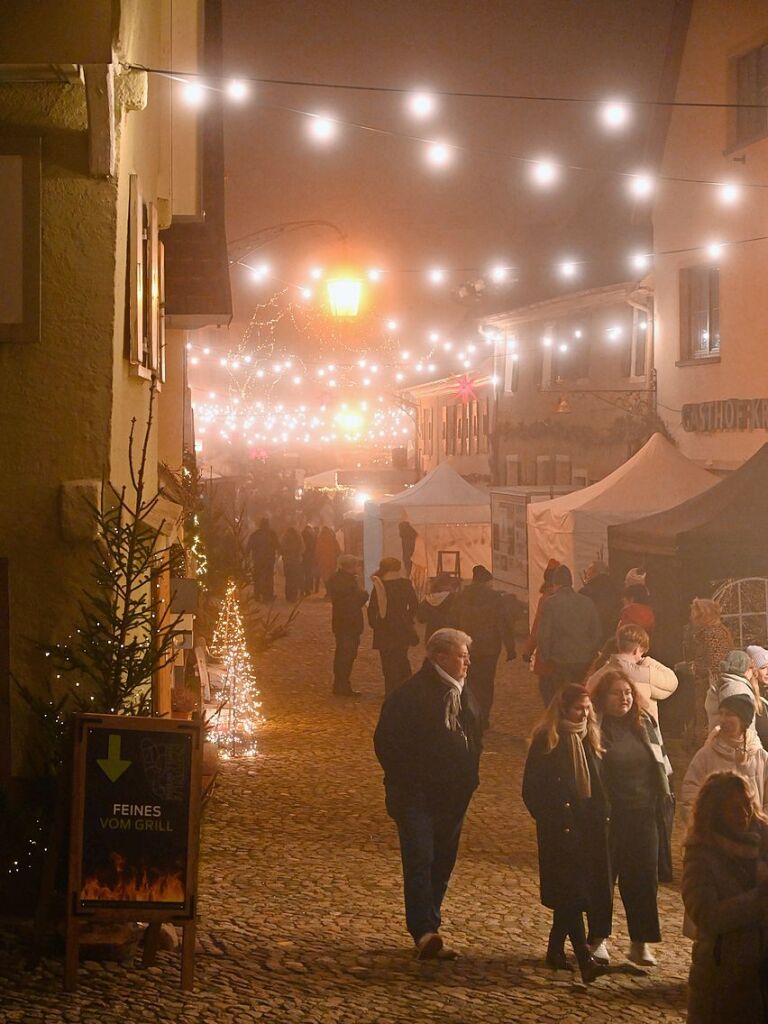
x,y
234,725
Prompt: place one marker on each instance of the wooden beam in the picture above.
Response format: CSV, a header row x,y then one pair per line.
x,y
5,674
100,99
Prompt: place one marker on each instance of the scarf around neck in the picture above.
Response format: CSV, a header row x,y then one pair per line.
x,y
452,698
381,590
574,735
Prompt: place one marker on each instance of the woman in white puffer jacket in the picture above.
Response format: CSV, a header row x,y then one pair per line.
x,y
733,745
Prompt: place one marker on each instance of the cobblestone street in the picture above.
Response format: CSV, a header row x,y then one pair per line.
x,y
301,909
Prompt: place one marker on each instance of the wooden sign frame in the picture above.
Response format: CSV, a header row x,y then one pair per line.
x,y
87,729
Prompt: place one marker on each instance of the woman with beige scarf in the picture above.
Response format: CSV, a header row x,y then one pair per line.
x,y
564,792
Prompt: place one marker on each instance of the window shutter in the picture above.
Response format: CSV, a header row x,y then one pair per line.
x,y
136,272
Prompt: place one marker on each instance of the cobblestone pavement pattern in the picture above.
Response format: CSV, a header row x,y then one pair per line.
x,y
301,907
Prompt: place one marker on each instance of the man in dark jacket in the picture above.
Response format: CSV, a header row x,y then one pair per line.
x,y
489,618
309,539
428,742
604,594
569,635
347,600
263,547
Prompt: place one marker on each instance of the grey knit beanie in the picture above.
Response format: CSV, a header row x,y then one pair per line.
x,y
736,663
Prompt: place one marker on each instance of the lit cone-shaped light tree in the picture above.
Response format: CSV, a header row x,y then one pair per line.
x,y
236,723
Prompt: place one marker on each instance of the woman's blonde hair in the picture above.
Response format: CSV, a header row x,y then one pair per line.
x,y
717,790
549,723
704,612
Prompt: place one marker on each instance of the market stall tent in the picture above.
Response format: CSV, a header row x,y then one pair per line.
x,y
573,528
687,550
447,513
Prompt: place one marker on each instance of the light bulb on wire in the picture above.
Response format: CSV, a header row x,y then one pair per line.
x,y
322,128
544,173
439,154
614,114
193,93
238,90
729,193
437,275
641,185
567,268
421,105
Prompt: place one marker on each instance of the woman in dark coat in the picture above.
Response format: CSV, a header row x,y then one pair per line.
x,y
563,790
391,612
636,774
725,892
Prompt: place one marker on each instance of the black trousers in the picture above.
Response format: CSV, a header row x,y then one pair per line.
x,y
264,580
395,666
634,848
480,679
567,923
293,580
347,645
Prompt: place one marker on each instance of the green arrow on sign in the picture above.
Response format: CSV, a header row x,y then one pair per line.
x,y
112,766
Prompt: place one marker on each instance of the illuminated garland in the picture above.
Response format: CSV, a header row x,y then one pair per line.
x,y
234,726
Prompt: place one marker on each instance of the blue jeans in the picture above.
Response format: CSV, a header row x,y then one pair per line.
x,y
429,842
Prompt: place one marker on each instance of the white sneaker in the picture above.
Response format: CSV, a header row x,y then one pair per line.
x,y
640,953
599,951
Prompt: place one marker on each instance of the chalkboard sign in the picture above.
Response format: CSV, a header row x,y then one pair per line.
x,y
135,819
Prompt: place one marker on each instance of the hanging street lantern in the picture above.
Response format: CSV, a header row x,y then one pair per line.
x,y
344,296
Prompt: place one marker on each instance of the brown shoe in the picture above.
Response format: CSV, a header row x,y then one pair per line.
x,y
428,947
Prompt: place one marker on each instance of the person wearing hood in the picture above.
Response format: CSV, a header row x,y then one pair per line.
x,y
759,657
733,745
725,893
433,611
489,618
568,635
737,673
428,741
653,681
391,612
637,609
601,590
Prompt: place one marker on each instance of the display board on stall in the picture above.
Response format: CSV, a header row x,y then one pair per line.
x,y
134,828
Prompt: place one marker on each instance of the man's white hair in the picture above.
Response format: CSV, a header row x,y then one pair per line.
x,y
443,640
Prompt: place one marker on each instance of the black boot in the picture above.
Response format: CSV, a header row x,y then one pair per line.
x,y
589,968
556,959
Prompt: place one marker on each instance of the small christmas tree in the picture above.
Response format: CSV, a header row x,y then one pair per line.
x,y
240,713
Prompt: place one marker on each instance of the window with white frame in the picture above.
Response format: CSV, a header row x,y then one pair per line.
x,y
699,312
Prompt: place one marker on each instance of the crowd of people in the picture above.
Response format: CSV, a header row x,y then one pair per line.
x,y
597,779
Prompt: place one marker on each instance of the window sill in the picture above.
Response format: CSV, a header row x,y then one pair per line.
x,y
702,360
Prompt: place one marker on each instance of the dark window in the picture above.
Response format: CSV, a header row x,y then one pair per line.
x,y
699,312
752,88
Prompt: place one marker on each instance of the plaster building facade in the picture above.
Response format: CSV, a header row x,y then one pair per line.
x,y
103,186
454,423
711,255
573,386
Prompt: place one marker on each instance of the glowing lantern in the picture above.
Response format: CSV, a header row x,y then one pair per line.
x,y
344,294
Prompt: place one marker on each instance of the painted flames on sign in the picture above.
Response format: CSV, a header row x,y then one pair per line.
x,y
144,886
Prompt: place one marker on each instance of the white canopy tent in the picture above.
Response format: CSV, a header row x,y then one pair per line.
x,y
447,513
574,528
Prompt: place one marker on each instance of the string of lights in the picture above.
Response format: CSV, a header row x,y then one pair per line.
x,y
615,115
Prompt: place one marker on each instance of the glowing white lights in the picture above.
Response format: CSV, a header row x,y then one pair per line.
x,y
614,333
436,275
261,272
306,293
499,274
641,185
238,90
439,154
193,93
544,173
447,346
714,250
567,268
374,274
322,128
434,336
392,325
563,347
614,114
546,341
316,273
729,193
421,105
640,260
